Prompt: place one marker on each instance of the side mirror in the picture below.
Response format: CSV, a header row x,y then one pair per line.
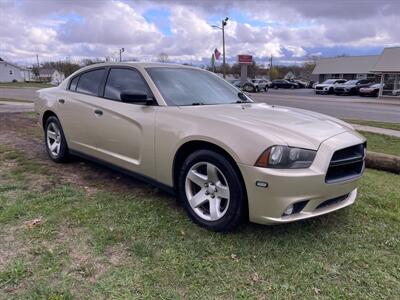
x,y
131,96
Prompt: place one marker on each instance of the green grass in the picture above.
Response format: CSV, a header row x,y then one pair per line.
x,y
386,125
14,100
382,143
140,244
24,84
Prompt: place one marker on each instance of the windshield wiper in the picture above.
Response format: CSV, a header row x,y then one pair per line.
x,y
197,103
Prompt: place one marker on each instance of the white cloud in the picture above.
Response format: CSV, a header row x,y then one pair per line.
x,y
77,29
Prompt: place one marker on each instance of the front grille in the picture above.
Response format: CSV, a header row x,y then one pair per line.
x,y
346,164
318,87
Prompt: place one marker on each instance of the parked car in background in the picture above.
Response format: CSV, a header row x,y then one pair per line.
x,y
327,86
372,90
396,92
283,84
260,84
301,83
351,87
235,83
191,133
311,84
248,86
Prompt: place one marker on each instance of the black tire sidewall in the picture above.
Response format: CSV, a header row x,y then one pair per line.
x,y
236,210
63,155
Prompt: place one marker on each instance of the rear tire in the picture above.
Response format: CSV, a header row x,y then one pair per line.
x,y
54,138
211,191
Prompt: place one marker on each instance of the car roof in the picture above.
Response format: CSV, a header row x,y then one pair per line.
x,y
137,65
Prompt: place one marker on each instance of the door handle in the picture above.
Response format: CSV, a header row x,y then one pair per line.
x,y
62,101
98,112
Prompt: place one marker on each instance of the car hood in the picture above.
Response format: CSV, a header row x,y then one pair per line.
x,y
291,126
324,85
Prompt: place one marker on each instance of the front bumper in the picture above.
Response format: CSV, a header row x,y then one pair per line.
x,y
288,187
342,92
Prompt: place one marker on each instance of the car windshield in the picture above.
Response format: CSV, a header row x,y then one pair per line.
x,y
186,86
329,81
351,82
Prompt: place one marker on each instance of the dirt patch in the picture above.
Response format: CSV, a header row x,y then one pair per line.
x,y
20,132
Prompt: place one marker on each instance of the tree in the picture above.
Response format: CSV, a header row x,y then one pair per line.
x,y
65,67
163,57
274,73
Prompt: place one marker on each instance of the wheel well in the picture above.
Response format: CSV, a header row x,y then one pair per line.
x,y
188,148
46,115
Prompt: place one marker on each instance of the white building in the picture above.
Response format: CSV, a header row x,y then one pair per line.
x,y
388,67
384,68
51,75
346,67
10,72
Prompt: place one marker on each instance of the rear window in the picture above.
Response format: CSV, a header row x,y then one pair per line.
x,y
89,82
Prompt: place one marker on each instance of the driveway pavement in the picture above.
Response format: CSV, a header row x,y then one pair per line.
x,y
350,107
19,93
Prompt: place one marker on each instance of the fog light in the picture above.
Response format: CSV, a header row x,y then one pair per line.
x,y
289,210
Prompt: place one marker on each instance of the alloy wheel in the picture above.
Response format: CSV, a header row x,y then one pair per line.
x,y
207,191
53,139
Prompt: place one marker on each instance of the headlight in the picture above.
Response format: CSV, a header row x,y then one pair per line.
x,y
284,157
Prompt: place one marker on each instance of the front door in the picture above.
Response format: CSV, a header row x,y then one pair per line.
x,y
126,130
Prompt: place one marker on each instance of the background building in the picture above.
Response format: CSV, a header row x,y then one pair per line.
x,y
346,67
10,72
51,75
388,67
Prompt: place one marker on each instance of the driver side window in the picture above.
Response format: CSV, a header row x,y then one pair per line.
x,y
124,80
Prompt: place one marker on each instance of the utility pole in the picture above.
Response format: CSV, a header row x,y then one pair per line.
x,y
120,53
38,66
270,68
224,22
222,28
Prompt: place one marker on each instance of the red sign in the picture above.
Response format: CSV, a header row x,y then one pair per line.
x,y
245,59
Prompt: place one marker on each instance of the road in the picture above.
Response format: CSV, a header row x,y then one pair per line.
x,y
351,107
18,93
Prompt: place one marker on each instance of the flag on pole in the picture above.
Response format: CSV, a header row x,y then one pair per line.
x,y
217,54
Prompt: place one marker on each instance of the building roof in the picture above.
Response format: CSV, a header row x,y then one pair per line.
x,y
346,65
389,61
46,71
2,61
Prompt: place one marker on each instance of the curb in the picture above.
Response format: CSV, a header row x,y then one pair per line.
x,y
383,162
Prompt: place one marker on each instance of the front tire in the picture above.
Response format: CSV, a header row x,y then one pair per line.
x,y
56,144
211,191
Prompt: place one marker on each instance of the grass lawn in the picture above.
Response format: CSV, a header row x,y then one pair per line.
x,y
93,242
24,84
382,143
386,125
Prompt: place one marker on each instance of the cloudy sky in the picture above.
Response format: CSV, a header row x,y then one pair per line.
x,y
291,31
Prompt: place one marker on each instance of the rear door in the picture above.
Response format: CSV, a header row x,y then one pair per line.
x,y
77,110
126,130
